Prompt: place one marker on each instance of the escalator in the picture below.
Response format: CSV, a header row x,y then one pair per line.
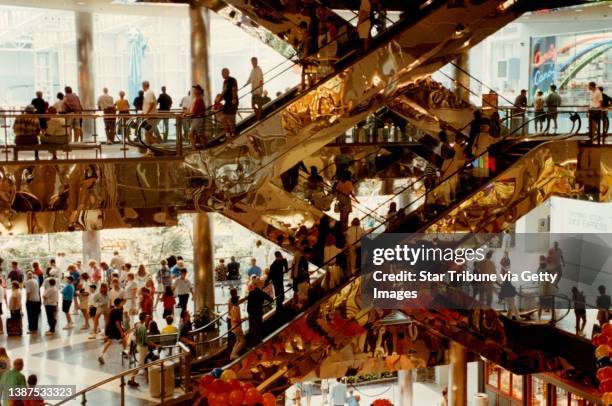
x,y
278,355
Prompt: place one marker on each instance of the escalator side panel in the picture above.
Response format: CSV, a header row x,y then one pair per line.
x,y
318,116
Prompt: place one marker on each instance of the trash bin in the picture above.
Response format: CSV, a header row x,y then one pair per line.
x,y
156,381
481,399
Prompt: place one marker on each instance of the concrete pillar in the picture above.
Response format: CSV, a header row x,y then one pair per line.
x,y
457,375
204,279
85,68
203,270
91,246
461,77
405,382
200,28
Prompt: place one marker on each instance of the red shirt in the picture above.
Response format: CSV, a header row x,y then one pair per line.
x,y
197,107
146,304
168,301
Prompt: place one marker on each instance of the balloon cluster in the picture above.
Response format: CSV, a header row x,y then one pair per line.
x,y
222,388
382,402
603,353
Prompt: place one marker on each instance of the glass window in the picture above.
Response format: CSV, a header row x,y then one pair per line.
x,y
504,381
538,392
517,386
576,400
561,397
493,375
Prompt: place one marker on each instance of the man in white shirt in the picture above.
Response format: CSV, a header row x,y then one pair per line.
x,y
116,292
32,302
185,106
106,104
595,106
149,106
50,301
182,289
260,254
256,80
117,261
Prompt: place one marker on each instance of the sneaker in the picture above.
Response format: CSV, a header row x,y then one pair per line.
x,y
85,328
92,336
101,360
68,327
132,383
49,333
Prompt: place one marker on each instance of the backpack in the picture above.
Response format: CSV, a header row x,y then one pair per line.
x,y
606,100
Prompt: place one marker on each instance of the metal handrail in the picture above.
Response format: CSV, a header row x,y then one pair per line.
x,y
385,223
185,353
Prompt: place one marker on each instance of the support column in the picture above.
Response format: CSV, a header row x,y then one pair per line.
x,y
85,68
405,383
461,77
204,280
203,275
91,247
200,28
457,375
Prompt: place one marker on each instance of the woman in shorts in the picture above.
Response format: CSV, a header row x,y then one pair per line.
x,y
114,330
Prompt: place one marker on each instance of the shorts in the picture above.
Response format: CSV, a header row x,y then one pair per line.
x,y
552,114
540,116
149,123
92,311
73,122
197,126
580,312
257,100
66,305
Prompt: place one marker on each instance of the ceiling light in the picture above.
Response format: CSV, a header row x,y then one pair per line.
x,y
80,3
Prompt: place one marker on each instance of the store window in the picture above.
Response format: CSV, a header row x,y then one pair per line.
x,y
561,397
538,392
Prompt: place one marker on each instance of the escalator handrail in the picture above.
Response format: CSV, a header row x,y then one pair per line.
x,y
380,39
385,223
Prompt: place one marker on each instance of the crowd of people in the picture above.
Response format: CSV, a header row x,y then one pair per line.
x,y
58,130
546,109
111,299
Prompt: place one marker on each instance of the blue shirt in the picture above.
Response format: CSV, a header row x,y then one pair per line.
x,y
76,275
254,270
68,293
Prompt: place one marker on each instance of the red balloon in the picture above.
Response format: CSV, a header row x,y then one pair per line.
x,y
604,373
269,399
246,386
206,380
252,396
236,397
606,386
222,399
205,392
599,339
606,330
217,386
234,384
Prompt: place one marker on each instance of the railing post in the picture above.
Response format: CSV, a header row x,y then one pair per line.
x,y
122,385
179,135
95,129
84,401
162,382
187,373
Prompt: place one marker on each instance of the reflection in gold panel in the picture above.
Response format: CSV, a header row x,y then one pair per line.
x,y
551,169
85,220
